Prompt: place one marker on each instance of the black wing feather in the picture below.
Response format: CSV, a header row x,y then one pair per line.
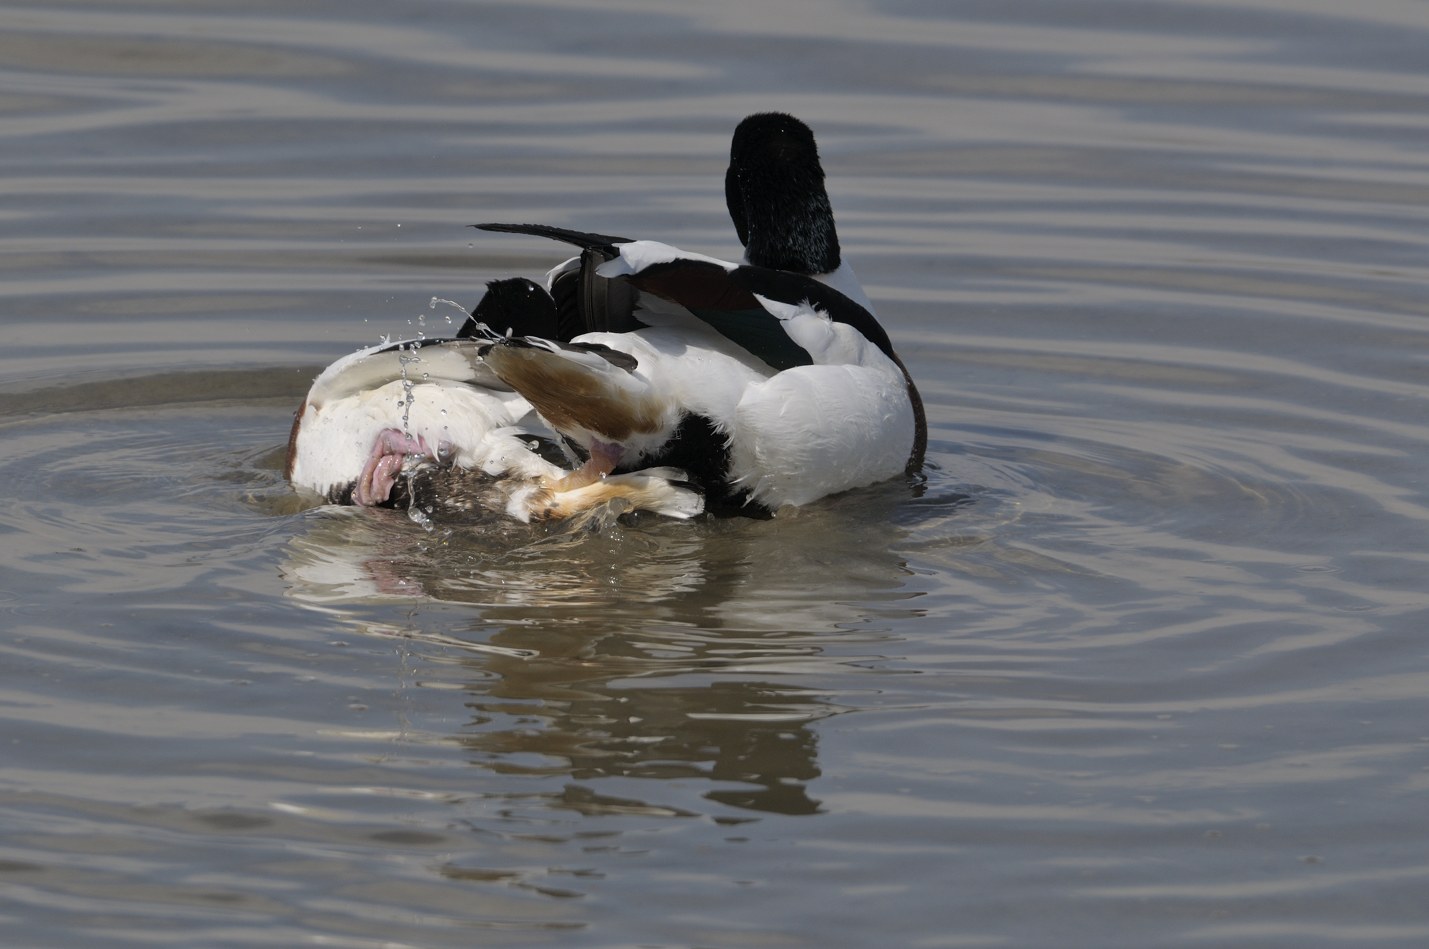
x,y
583,239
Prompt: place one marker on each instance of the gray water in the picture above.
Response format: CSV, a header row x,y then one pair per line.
x,y
1143,662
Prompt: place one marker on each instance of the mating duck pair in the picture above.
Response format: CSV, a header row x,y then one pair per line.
x,y
668,380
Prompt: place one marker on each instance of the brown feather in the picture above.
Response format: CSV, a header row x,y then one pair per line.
x,y
570,396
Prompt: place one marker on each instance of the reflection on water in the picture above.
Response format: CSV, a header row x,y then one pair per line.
x,y
646,649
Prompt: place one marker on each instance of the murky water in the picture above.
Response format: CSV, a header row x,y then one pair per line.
x,y
1143,663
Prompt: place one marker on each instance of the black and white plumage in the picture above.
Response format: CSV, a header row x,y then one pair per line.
x,y
374,417
767,383
789,390
771,382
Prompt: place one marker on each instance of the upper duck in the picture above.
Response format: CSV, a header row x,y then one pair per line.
x,y
770,381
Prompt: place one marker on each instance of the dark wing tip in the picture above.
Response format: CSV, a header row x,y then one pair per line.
x,y
615,357
618,359
585,240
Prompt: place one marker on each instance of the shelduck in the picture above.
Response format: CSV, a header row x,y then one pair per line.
x,y
763,384
770,381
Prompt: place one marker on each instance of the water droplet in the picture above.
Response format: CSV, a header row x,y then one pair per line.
x,y
451,304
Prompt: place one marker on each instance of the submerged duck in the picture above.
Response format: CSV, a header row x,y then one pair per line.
x,y
425,422
770,382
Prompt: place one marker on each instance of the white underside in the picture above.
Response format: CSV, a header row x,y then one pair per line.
x,y
446,398
482,429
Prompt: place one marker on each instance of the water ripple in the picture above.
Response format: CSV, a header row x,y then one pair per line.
x,y
1144,652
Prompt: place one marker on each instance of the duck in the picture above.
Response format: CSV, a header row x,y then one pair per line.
x,y
769,381
425,423
639,374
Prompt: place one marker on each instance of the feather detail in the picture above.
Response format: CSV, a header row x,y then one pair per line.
x,y
370,417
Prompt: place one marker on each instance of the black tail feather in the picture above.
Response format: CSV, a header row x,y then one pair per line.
x,y
582,239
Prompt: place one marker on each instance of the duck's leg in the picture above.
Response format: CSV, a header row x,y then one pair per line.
x,y
602,461
639,491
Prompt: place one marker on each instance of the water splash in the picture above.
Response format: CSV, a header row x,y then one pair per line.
x,y
408,355
450,305
421,516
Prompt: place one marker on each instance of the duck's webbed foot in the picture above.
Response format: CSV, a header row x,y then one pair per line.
x,y
662,490
602,461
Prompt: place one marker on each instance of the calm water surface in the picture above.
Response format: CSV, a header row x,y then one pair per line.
x,y
1143,662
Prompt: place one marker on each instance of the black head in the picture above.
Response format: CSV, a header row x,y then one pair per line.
x,y
514,306
775,191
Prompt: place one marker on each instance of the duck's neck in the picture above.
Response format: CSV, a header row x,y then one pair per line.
x,y
787,229
775,192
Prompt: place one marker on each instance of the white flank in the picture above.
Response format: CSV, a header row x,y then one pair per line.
x,y
812,431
